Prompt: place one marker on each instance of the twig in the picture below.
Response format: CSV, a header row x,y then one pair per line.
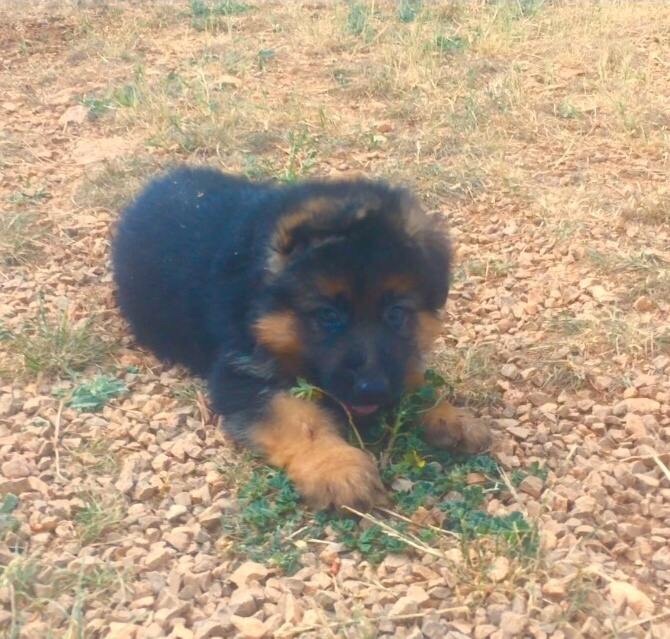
x,y
348,622
512,490
392,532
392,513
640,622
661,465
56,437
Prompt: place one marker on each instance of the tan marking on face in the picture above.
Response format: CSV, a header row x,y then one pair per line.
x,y
333,286
427,330
399,283
278,332
303,438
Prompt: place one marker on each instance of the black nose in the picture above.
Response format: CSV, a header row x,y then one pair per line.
x,y
371,390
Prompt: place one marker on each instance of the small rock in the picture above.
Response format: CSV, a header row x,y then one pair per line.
x,y
122,630
210,628
625,594
531,485
210,517
433,628
482,631
643,304
510,371
16,468
250,627
418,594
554,588
157,557
499,568
403,606
520,432
512,624
661,558
176,511
636,405
75,114
247,571
242,603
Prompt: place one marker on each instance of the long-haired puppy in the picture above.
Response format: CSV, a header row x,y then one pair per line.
x,y
254,285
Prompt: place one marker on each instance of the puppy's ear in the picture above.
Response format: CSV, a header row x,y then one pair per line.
x,y
317,221
436,257
433,245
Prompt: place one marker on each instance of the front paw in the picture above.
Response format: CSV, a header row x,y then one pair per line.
x,y
454,428
336,476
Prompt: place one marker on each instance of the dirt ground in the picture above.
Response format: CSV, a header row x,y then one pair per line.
x,y
541,130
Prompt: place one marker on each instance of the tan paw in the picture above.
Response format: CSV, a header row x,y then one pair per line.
x,y
454,428
337,476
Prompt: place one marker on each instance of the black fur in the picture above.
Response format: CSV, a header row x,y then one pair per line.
x,y
196,267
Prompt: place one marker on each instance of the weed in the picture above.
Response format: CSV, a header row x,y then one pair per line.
x,y
263,57
207,15
96,455
21,237
97,107
93,395
408,10
301,155
450,44
57,347
8,522
25,198
112,187
98,516
358,19
271,525
20,574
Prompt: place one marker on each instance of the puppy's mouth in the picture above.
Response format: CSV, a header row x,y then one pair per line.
x,y
362,411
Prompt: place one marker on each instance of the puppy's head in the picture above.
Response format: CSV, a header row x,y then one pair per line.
x,y
356,274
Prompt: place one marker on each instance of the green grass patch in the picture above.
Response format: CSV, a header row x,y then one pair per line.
x,y
207,15
56,346
8,522
97,517
272,525
93,395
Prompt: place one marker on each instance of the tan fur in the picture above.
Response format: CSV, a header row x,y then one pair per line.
x,y
449,427
278,332
302,438
427,330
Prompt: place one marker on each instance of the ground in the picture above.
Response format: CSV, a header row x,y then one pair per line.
x,y
539,130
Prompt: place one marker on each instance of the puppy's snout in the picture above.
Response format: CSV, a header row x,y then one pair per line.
x,y
371,389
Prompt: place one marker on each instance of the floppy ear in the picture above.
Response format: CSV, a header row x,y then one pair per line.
x,y
433,244
317,221
436,253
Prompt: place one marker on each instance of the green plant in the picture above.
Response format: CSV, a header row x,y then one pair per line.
x,y
450,44
92,396
408,10
270,521
7,521
58,347
358,19
96,518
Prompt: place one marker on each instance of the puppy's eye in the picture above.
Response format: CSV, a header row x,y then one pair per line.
x,y
396,317
330,319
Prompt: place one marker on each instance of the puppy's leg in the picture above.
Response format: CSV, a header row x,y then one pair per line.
x,y
446,426
303,438
298,436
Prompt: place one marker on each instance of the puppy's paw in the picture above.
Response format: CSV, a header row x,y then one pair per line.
x,y
338,476
454,428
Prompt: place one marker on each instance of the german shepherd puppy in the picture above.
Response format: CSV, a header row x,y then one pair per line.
x,y
254,285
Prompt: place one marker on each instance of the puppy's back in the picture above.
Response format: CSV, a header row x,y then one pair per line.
x,y
164,252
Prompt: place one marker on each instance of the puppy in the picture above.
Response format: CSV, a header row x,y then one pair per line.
x,y
254,285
